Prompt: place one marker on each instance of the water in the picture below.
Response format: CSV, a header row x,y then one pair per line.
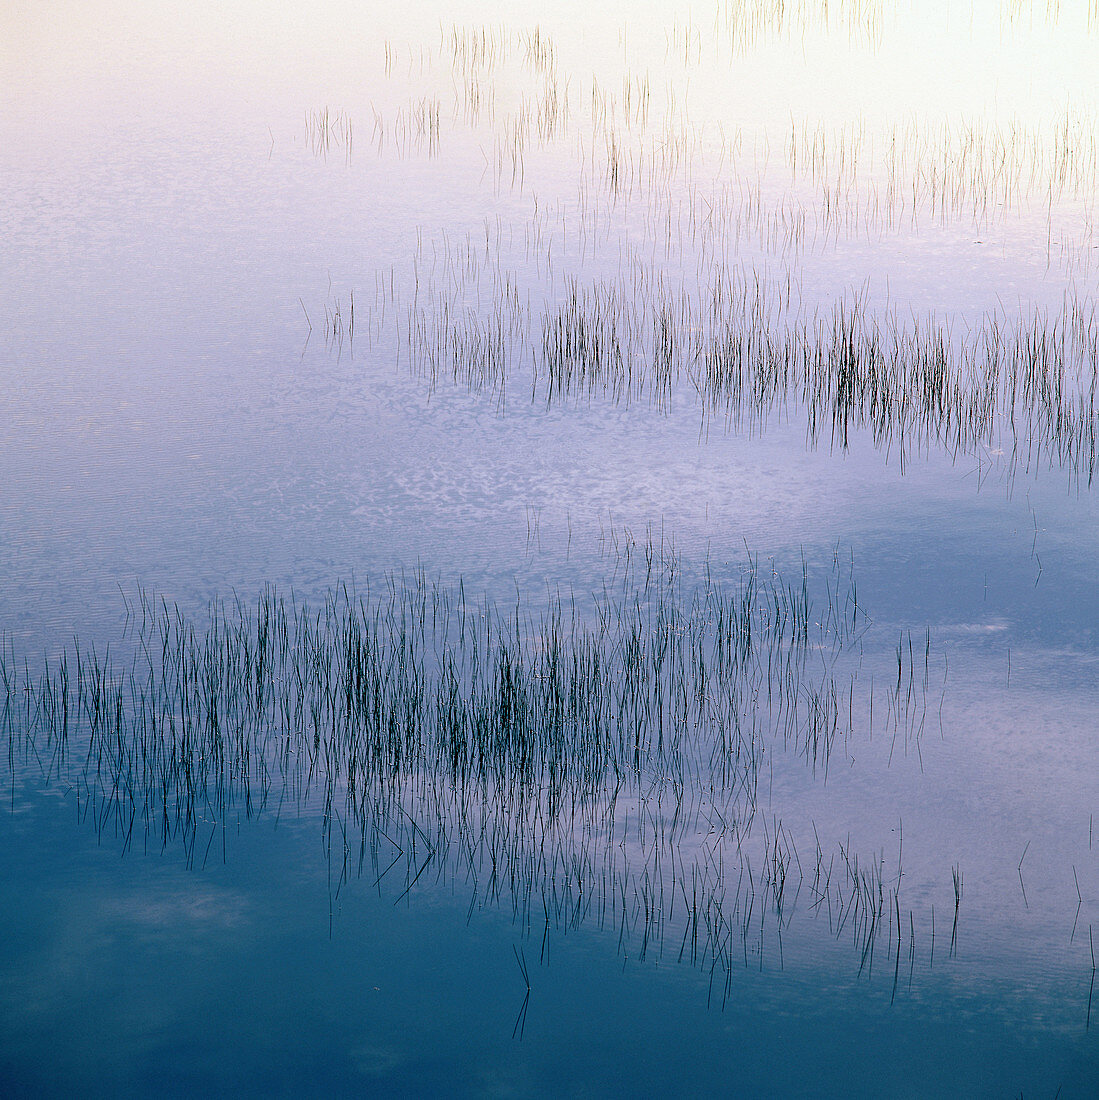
x,y
195,198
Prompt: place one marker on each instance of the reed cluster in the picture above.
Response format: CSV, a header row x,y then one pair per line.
x,y
598,758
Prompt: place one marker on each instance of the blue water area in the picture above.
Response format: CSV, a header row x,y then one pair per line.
x,y
251,973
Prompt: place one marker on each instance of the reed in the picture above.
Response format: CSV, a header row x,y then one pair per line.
x,y
746,353
587,760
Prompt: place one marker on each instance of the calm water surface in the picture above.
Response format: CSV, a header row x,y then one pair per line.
x,y
283,288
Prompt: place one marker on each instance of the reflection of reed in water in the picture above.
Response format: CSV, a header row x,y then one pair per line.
x,y
583,761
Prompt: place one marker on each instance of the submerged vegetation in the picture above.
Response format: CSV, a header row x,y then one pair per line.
x,y
597,759
620,266
744,350
811,184
686,262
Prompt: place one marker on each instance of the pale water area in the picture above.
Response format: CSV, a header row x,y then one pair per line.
x,y
549,549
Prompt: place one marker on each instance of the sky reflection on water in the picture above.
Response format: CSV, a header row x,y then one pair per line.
x,y
192,194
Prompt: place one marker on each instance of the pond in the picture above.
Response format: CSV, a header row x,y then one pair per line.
x,y
549,551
